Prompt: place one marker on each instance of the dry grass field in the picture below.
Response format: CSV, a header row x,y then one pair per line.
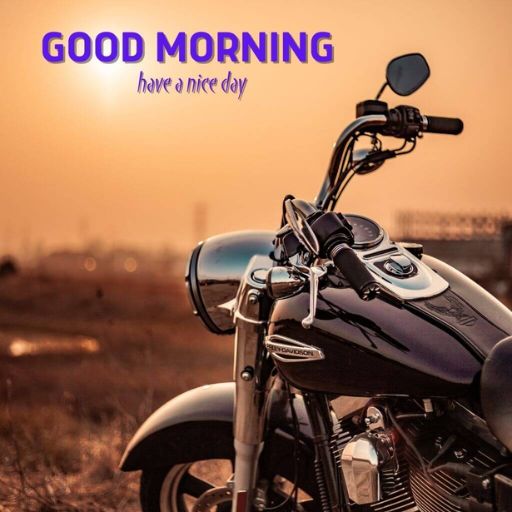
x,y
83,361
82,364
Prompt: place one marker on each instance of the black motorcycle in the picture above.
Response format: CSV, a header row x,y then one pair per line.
x,y
328,307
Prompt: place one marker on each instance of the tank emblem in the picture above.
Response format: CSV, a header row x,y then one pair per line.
x,y
291,351
455,309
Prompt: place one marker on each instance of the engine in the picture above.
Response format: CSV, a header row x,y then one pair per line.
x,y
421,461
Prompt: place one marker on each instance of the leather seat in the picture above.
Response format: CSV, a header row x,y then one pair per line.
x,y
496,391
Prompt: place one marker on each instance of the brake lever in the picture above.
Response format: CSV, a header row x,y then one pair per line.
x,y
315,273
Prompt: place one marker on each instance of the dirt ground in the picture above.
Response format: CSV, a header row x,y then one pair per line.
x,y
67,414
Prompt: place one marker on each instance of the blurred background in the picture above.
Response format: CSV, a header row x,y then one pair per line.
x,y
105,191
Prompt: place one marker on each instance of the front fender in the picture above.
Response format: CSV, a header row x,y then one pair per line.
x,y
157,442
213,403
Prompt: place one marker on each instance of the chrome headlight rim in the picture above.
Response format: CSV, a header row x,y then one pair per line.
x,y
194,292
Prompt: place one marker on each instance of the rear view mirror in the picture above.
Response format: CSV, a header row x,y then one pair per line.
x,y
406,74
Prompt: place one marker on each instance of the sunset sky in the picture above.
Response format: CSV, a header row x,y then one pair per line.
x,y
84,156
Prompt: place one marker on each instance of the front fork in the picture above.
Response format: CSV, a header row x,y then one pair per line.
x,y
249,421
251,399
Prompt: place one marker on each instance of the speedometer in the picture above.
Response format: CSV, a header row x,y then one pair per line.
x,y
366,232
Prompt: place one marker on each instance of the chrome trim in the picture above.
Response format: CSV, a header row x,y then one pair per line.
x,y
315,273
338,248
374,418
366,245
249,399
240,316
216,269
424,122
288,350
284,282
292,216
360,467
397,265
229,306
423,284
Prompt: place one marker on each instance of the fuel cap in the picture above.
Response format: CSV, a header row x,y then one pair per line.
x,y
399,265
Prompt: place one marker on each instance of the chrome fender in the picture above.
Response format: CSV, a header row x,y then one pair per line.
x,y
157,441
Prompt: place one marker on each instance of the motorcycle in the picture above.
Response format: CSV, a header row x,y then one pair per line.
x,y
329,306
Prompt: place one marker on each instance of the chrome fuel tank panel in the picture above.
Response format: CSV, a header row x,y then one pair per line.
x,y
396,269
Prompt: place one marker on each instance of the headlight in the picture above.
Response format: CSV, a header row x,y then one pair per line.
x,y
215,270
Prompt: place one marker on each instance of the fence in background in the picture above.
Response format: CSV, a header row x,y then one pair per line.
x,y
478,245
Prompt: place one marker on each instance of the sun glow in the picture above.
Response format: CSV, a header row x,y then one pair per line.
x,y
104,80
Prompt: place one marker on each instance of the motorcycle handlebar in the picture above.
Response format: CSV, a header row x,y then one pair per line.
x,y
408,122
445,125
399,122
359,124
356,273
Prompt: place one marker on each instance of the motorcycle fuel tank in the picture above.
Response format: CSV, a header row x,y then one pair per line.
x,y
428,347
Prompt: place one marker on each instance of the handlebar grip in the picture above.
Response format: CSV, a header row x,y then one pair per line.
x,y
359,277
447,125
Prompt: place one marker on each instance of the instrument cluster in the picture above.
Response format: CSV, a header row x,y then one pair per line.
x,y
367,233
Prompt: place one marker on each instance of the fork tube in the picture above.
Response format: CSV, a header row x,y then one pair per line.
x,y
250,390
248,415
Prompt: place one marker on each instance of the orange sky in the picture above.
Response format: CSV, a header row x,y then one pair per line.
x,y
84,156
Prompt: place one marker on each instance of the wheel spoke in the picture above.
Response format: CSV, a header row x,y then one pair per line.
x,y
193,486
182,506
309,505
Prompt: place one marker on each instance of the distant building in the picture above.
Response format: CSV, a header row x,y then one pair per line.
x,y
480,245
116,262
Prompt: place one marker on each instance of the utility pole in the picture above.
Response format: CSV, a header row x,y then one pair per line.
x,y
200,222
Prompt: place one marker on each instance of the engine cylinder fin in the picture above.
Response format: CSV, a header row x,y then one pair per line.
x,y
397,494
430,500
408,489
425,495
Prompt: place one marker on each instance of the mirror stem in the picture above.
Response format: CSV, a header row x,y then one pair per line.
x,y
381,90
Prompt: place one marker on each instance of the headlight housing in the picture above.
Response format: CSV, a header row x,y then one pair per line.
x,y
215,270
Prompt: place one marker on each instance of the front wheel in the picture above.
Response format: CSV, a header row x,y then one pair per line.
x,y
178,488
201,484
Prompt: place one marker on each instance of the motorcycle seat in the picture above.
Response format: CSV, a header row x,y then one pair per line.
x,y
496,391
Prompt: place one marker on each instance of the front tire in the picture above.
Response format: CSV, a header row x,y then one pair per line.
x,y
176,488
